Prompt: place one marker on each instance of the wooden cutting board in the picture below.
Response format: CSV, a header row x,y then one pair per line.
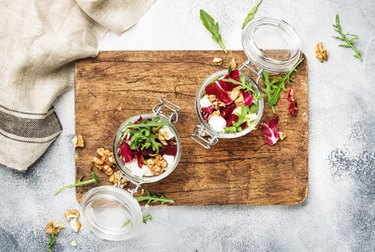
x,y
243,171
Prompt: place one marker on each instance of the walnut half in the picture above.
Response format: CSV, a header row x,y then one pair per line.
x,y
320,52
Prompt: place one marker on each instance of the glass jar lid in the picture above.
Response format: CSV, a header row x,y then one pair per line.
x,y
271,44
127,168
111,213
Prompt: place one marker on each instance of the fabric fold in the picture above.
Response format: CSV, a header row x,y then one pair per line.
x,y
39,41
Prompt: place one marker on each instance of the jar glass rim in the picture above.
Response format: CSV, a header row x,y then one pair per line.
x,y
96,197
146,179
199,94
284,32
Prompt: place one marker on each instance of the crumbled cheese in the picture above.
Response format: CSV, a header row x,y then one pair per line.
x,y
169,159
166,132
148,172
218,123
205,102
134,168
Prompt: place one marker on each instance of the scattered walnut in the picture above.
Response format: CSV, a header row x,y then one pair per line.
x,y
157,164
239,100
162,137
106,162
217,61
320,52
212,98
54,227
282,135
71,214
234,94
216,113
78,141
233,64
75,225
114,178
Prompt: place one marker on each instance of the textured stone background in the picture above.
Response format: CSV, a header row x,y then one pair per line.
x,y
339,213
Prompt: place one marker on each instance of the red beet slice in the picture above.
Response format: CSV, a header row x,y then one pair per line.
x,y
270,130
126,153
170,149
139,158
146,153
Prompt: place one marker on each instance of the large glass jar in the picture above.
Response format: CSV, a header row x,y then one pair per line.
x,y
271,45
112,213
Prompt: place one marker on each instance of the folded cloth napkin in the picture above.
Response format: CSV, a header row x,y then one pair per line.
x,y
39,40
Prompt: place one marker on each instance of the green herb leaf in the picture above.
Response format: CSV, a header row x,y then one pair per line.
x,y
346,38
150,197
52,241
273,88
94,181
251,14
212,27
146,218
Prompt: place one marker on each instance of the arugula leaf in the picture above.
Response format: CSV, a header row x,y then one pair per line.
x,y
153,197
347,38
251,14
212,27
273,88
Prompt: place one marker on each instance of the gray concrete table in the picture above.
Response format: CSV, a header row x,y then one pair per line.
x,y
338,214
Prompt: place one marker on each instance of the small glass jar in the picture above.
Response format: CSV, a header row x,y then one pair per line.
x,y
112,213
271,45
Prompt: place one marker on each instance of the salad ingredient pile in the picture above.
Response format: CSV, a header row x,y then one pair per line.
x,y
147,147
230,103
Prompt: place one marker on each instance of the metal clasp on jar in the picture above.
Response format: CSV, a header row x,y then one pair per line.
x,y
247,65
172,107
203,137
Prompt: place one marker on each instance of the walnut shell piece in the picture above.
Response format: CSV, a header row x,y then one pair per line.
x,y
53,227
105,162
233,64
320,52
71,214
217,61
157,164
78,141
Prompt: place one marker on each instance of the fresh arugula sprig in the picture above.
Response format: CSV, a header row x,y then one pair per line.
x,y
150,197
347,38
143,134
212,27
251,14
273,88
243,116
93,181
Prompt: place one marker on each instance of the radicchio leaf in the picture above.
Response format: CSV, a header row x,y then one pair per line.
x,y
126,153
293,109
217,88
207,111
227,110
227,86
170,149
247,98
235,75
270,130
146,153
138,120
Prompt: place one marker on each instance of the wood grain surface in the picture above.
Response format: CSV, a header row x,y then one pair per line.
x,y
243,171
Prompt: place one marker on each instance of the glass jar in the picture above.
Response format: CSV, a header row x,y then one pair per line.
x,y
112,213
271,45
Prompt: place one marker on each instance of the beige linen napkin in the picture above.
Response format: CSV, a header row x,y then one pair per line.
x,y
39,40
